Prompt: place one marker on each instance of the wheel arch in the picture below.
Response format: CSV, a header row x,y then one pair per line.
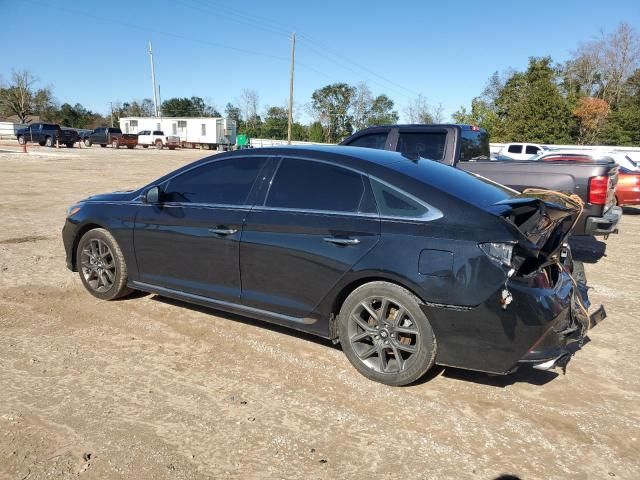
x,y
345,290
81,231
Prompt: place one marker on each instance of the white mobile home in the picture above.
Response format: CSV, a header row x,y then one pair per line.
x,y
204,132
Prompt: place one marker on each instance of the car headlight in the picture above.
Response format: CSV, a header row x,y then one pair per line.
x,y
73,209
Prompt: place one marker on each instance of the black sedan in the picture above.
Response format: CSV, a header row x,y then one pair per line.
x,y
406,263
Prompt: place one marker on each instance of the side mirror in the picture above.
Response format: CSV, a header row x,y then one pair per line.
x,y
152,195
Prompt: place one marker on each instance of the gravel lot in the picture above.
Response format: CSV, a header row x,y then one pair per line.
x,y
148,388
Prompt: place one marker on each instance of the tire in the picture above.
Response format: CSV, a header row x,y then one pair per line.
x,y
41,144
49,142
145,146
87,143
115,144
172,148
374,350
70,145
103,145
130,147
21,140
94,260
159,145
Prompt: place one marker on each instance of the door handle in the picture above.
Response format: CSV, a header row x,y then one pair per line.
x,y
223,231
342,241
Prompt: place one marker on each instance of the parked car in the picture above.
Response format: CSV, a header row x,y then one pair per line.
x,y
406,262
47,134
467,147
113,136
158,139
522,151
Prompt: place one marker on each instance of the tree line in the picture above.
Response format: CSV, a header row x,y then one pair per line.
x,y
592,98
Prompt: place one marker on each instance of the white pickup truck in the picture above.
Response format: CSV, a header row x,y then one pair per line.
x,y
158,139
522,151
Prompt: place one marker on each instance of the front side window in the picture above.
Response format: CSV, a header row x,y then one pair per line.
x,y
394,203
428,145
158,132
532,150
309,185
224,182
373,140
515,149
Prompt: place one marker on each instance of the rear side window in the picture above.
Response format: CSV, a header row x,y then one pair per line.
x,y
115,130
428,145
532,150
309,185
373,140
474,145
515,149
158,132
394,203
225,182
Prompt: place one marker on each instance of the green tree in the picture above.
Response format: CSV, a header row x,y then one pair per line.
x,y
331,104
188,107
316,132
275,123
233,113
531,107
621,127
382,112
19,97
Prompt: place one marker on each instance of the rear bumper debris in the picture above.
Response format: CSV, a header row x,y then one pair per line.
x,y
605,225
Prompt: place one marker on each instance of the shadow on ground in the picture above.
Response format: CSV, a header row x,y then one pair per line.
x,y
523,375
586,248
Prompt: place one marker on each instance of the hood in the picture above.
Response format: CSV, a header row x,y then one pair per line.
x,y
541,221
120,196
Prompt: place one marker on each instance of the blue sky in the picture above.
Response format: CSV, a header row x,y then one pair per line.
x,y
95,52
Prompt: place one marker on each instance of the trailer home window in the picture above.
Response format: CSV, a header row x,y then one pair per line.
x,y
203,130
134,123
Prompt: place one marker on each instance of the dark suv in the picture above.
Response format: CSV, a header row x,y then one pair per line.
x,y
405,262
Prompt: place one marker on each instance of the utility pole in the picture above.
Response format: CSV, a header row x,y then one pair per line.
x,y
293,57
153,81
111,103
159,101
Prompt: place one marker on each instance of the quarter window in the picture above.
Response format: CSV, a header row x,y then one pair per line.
x,y
309,185
394,203
225,182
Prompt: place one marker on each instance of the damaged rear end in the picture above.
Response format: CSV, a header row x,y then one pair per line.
x,y
538,270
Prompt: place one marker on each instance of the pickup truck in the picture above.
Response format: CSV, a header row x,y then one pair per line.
x,y
158,139
113,136
47,134
467,147
522,151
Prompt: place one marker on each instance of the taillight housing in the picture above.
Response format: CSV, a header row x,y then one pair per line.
x,y
598,189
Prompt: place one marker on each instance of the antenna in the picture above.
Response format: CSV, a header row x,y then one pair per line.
x,y
153,81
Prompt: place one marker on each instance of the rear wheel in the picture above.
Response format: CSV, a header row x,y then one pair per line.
x,y
130,147
101,265
103,145
145,146
87,143
41,144
48,141
21,140
115,143
385,335
172,148
70,145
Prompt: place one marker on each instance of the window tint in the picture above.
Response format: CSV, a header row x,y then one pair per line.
x,y
226,182
515,149
158,132
426,145
394,203
532,150
474,145
114,130
310,185
373,140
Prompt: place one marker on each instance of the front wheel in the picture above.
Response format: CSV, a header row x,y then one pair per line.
x,y
21,140
115,144
87,143
145,146
101,265
48,141
70,145
385,335
159,145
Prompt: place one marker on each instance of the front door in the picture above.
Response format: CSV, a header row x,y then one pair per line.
x,y
318,220
189,241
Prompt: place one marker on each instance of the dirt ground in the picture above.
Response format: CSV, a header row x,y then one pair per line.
x,y
147,388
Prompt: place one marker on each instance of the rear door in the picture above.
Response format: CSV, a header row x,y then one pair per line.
x,y
317,221
189,242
